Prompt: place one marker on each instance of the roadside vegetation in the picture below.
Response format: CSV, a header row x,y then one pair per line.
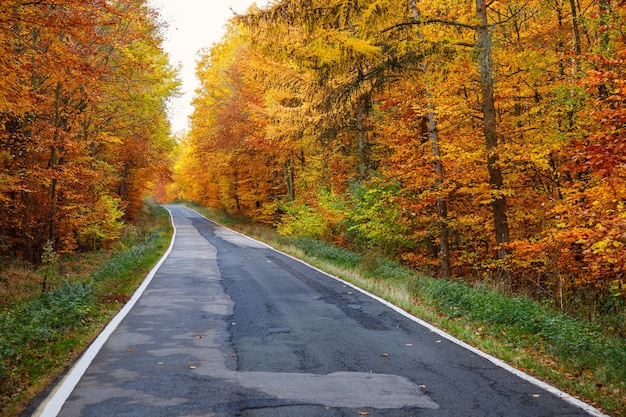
x,y
585,358
49,315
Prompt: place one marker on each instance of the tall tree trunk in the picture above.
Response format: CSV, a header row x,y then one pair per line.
x,y
575,27
605,21
236,192
289,180
442,207
54,161
606,11
361,112
571,113
499,206
121,190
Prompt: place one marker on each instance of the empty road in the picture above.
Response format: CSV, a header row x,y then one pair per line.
x,y
229,327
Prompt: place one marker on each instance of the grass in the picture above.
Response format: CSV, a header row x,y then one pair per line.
x,y
41,333
575,355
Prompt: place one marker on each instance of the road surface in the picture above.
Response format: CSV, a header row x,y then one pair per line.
x,y
229,327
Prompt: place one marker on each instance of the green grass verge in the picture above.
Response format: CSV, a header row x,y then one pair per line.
x,y
41,337
574,355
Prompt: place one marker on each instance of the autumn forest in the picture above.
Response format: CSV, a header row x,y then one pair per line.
x,y
482,140
83,123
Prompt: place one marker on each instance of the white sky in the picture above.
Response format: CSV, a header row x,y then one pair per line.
x,y
193,25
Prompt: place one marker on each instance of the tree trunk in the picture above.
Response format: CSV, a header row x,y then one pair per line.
x,y
236,192
575,27
362,136
442,207
499,206
121,190
54,161
605,21
289,180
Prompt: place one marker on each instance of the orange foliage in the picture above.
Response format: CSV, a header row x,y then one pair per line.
x,y
311,109
74,148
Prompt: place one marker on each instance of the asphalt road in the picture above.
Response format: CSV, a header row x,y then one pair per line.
x,y
229,327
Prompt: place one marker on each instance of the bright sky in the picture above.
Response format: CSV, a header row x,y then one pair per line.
x,y
193,25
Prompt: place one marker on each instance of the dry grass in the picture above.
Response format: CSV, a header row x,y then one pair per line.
x,y
20,282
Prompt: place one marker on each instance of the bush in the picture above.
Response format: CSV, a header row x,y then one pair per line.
x,y
300,220
375,217
42,320
326,252
577,341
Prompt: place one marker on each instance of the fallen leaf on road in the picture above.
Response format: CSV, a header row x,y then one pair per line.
x,y
364,413
384,355
233,355
131,349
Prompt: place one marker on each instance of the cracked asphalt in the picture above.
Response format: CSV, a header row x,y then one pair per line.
x,y
230,327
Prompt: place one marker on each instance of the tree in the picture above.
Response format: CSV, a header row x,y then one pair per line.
x,y
343,103
433,132
496,180
67,65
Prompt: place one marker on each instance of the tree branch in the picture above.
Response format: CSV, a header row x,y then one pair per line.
x,y
430,22
511,17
